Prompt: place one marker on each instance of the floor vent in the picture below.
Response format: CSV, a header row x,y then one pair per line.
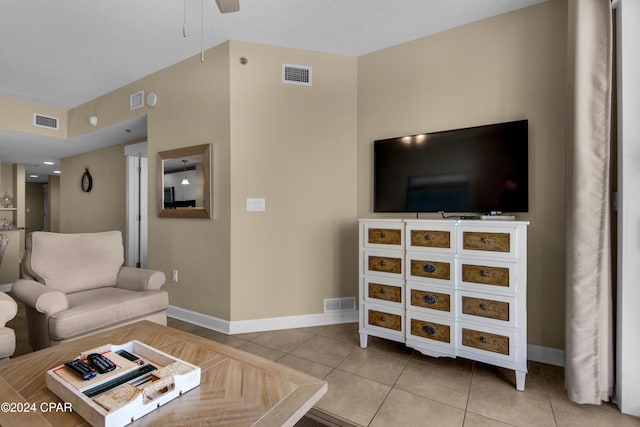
x,y
136,100
339,304
296,74
43,121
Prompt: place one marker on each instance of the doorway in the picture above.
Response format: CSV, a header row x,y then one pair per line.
x,y
137,201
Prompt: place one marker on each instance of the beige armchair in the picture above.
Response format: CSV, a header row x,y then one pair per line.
x,y
8,310
75,285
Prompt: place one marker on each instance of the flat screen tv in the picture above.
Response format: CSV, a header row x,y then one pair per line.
x,y
478,169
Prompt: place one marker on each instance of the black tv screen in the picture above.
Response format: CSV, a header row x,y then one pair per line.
x,y
478,169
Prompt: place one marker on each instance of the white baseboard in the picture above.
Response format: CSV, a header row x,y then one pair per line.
x,y
6,288
551,356
261,325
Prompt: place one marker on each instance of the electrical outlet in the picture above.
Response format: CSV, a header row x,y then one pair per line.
x,y
174,275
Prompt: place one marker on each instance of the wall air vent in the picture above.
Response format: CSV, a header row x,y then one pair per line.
x,y
136,100
339,304
49,122
296,74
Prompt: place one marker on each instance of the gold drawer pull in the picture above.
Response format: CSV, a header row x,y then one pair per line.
x,y
382,291
483,340
484,306
383,263
429,299
485,240
428,237
484,273
383,318
383,234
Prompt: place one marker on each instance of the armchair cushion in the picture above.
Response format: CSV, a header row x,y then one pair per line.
x,y
101,308
75,262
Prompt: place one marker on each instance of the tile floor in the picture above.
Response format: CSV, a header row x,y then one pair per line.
x,y
390,385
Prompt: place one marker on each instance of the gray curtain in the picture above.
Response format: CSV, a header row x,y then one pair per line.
x,y
589,330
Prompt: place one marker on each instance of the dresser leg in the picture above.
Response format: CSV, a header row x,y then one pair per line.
x,y
520,375
363,340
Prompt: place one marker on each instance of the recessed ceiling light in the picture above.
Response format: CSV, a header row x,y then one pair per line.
x,y
56,171
33,176
48,163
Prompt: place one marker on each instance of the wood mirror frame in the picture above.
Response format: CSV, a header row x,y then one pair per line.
x,y
201,210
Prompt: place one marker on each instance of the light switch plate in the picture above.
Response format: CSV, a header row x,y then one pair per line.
x,y
256,205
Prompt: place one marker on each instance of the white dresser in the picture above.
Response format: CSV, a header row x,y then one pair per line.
x,y
447,288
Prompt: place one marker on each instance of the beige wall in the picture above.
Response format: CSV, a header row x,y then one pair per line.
x,y
193,109
295,147
505,68
17,115
102,208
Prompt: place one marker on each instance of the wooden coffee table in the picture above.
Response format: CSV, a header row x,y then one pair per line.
x,y
236,388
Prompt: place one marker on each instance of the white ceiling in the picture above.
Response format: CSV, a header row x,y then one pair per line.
x,y
64,53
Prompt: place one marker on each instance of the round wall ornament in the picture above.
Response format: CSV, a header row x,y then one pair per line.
x,y
87,181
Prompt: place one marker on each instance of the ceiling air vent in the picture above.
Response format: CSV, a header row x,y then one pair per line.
x,y
296,74
42,121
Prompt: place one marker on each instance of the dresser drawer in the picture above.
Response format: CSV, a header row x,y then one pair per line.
x,y
486,343
384,291
484,275
425,331
437,300
385,235
430,239
382,318
483,241
430,330
491,309
430,268
494,242
433,237
488,309
383,263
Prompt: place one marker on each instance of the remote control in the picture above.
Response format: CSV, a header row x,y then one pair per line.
x,y
81,369
101,363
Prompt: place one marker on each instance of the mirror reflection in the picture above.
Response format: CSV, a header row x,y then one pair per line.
x,y
184,182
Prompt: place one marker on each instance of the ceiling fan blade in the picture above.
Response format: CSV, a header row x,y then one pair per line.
x,y
227,6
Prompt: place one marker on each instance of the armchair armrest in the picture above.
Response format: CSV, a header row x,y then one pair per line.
x,y
139,279
8,309
40,297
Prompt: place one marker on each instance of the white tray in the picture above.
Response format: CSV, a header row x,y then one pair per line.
x,y
125,403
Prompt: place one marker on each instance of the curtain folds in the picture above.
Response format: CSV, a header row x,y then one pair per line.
x,y
589,327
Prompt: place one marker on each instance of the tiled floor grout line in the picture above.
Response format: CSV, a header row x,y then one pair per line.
x,y
392,386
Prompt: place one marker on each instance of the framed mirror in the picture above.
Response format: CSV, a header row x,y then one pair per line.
x,y
184,182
